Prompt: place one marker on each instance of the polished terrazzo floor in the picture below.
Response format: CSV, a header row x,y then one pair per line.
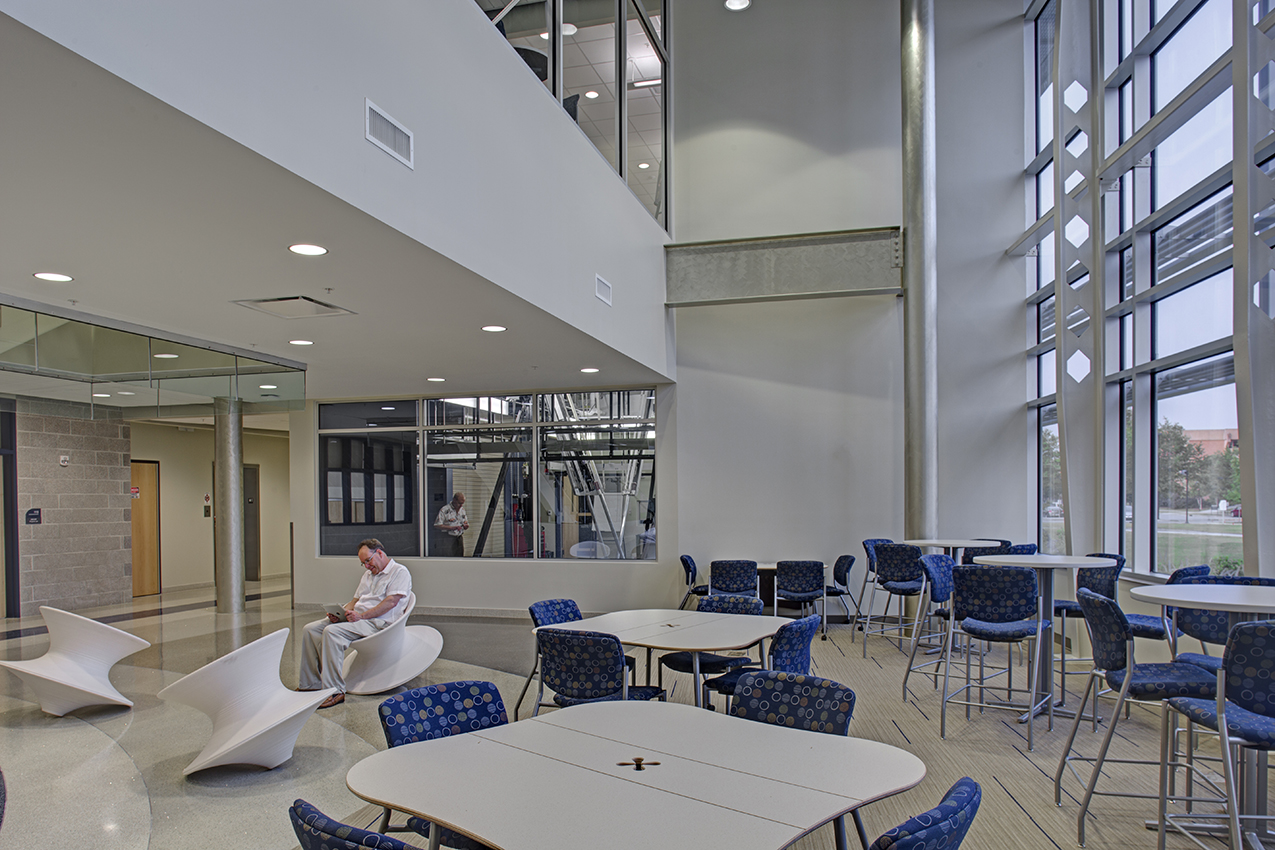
x,y
111,778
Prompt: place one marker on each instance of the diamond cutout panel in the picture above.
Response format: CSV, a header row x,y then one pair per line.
x,y
1078,323
1078,366
1073,180
1077,231
1078,144
1262,293
1075,96
1262,84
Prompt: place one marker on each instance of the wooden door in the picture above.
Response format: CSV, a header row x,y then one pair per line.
x,y
145,527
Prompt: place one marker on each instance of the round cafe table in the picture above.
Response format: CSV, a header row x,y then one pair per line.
x,y
1045,566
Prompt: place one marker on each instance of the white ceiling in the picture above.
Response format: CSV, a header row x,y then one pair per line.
x,y
163,223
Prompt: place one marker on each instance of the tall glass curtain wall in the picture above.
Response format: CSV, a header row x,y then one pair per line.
x,y
552,475
592,93
1172,487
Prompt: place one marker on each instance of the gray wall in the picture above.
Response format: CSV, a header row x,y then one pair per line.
x,y
81,554
787,118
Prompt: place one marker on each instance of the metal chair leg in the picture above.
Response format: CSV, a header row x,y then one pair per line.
x,y
535,668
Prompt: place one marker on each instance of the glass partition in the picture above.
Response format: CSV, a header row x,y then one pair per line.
x,y
478,489
369,489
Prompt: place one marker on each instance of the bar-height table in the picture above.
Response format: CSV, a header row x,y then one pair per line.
x,y
566,780
1045,565
950,545
676,630
1241,603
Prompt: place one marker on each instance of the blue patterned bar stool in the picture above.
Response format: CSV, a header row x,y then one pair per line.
x,y
1245,707
839,590
870,574
789,652
550,612
734,578
1157,627
1209,627
938,575
439,711
317,831
993,605
1102,581
1112,641
585,667
709,663
800,582
970,553
942,827
692,573
898,573
799,702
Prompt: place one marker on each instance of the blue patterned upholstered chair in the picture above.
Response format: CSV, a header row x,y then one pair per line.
x,y
789,652
735,578
710,664
941,828
798,702
317,831
1209,627
993,605
993,547
550,612
1244,706
870,574
585,667
938,591
1154,626
1112,641
692,573
440,711
839,590
800,582
1102,581
899,574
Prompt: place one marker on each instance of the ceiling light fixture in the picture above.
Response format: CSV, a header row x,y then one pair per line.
x,y
567,29
165,356
300,342
101,395
436,380
646,84
387,408
589,370
308,250
126,392
495,329
590,94
54,276
644,165
267,387
738,5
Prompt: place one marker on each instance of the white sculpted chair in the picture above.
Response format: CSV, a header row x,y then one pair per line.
x,y
76,670
392,656
256,720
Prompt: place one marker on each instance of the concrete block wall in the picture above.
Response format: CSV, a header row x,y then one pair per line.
x,y
81,554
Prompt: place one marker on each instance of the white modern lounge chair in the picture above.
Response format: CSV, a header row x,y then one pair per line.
x,y
256,720
392,656
76,670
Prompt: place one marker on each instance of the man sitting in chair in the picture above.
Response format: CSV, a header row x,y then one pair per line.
x,y
379,600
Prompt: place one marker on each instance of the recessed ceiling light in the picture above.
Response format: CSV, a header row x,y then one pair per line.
x,y
387,408
436,380
54,276
738,5
101,395
494,329
590,94
300,342
308,250
126,392
165,356
567,29
267,387
589,370
644,165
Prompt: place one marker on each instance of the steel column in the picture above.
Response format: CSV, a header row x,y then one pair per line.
x,y
228,485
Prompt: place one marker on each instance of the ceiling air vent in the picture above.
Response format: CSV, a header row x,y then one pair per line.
x,y
389,135
602,289
295,307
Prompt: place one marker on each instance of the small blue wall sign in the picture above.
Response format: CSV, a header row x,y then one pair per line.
x,y
33,516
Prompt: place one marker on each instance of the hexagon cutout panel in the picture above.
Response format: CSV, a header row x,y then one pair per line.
x,y
1076,231
1075,96
1262,84
1078,144
1078,366
1262,294
1073,180
1078,323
